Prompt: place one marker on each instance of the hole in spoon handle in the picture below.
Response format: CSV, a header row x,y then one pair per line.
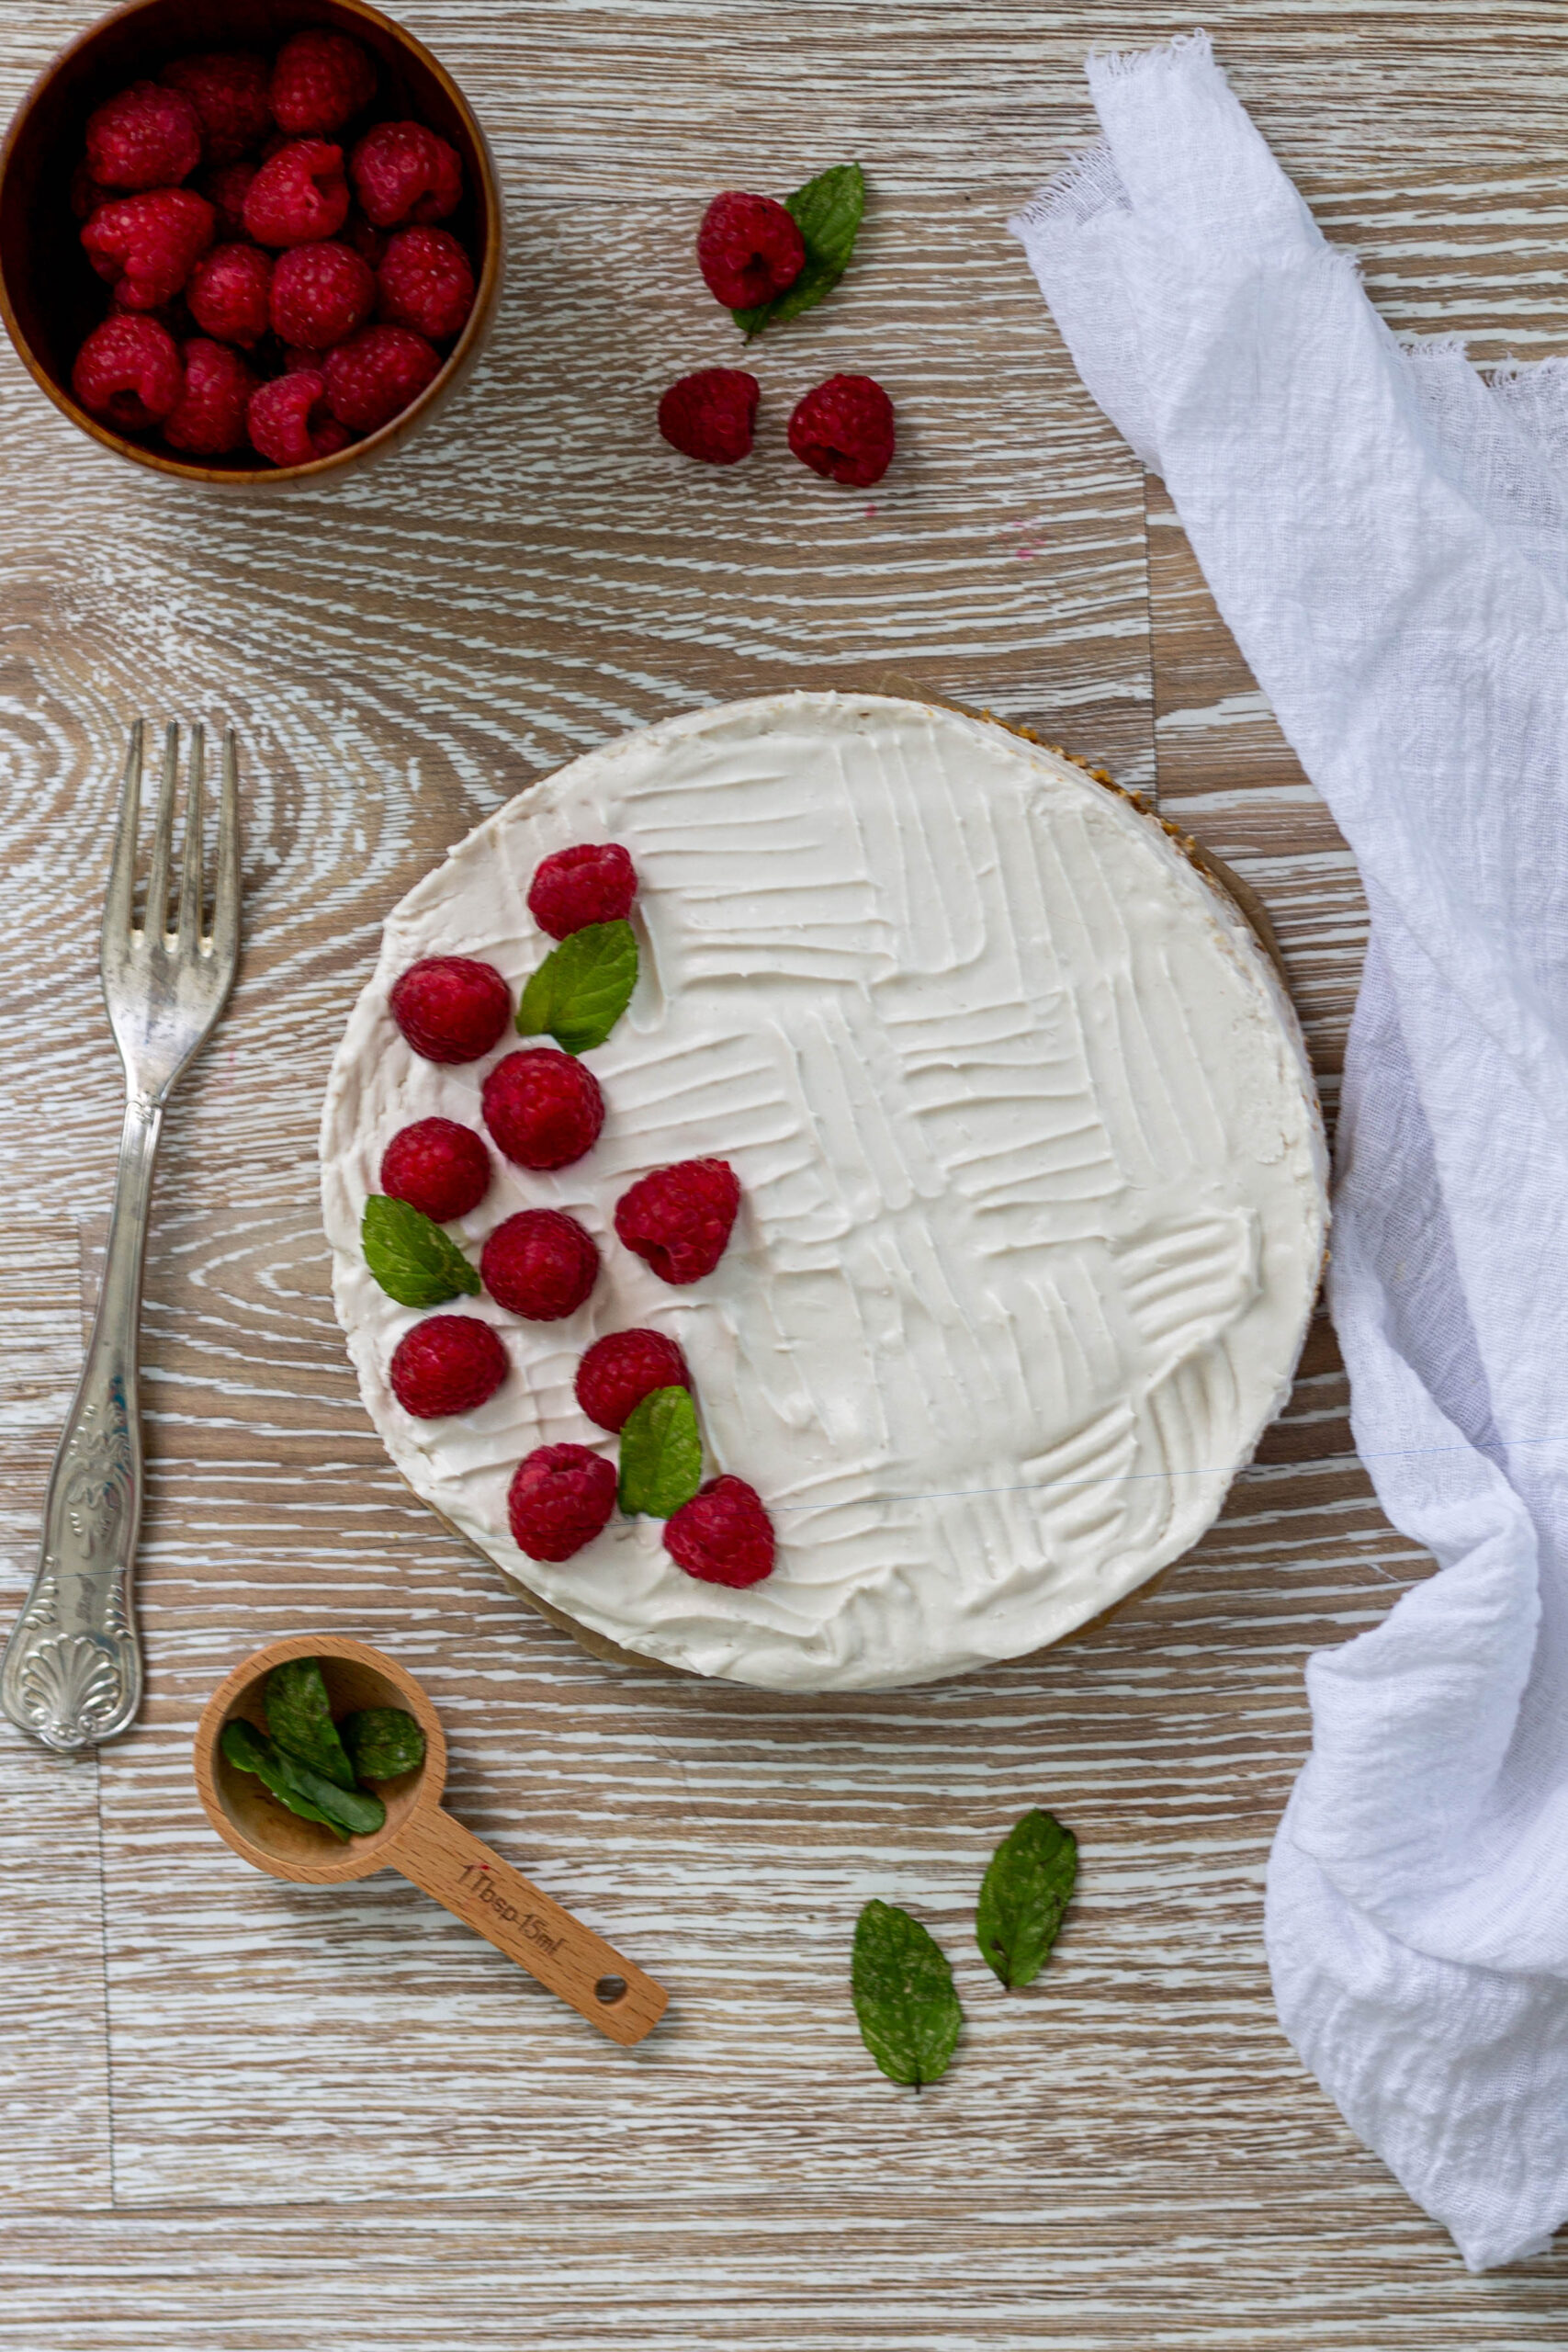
x,y
461,1870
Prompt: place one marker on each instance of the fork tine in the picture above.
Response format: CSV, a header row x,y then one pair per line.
x,y
122,872
196,828
226,883
156,921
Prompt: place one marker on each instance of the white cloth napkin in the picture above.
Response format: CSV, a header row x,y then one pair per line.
x,y
1386,532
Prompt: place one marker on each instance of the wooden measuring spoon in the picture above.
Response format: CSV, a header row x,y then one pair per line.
x,y
418,1838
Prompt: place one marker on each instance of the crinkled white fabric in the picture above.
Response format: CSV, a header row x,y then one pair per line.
x,y
1387,535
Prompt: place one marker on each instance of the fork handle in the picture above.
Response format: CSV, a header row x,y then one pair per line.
x,y
72,1672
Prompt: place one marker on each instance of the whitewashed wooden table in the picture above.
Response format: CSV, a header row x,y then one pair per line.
x,y
235,2114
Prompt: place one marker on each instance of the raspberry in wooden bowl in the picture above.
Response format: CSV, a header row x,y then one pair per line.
x,y
245,242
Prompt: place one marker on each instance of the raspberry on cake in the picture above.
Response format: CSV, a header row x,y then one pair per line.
x,y
680,1218
439,1166
144,137
620,1369
375,374
208,418
543,1107
448,1363
723,1535
711,416
127,373
559,1500
321,293
749,250
844,430
228,89
146,247
540,1264
596,882
290,424
402,172
299,196
321,80
424,280
451,1008
227,294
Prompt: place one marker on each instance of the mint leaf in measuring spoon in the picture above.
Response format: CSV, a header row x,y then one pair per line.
x,y
908,2014
581,988
300,1717
411,1257
248,1751
383,1742
661,1454
1024,1895
828,212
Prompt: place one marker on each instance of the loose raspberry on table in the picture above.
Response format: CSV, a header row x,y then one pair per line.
x,y
127,373
438,1167
594,882
226,190
540,1263
228,89
402,172
146,247
749,250
844,429
620,1369
450,1008
144,137
320,81
542,1107
426,281
723,1535
559,1500
375,375
321,295
290,424
208,418
448,1363
680,1218
711,415
299,196
227,294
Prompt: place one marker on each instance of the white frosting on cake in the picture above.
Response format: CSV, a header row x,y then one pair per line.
x,y
1033,1182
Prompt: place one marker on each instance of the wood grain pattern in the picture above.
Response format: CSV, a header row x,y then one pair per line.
x,y
339,2120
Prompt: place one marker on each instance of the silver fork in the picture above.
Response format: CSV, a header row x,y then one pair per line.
x,y
72,1672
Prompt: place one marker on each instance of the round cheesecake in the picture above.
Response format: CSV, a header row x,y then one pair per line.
x,y
1034,1184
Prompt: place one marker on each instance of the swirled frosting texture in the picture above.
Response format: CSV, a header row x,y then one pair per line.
x,y
1033,1182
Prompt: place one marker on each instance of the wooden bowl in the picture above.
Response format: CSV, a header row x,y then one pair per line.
x,y
49,296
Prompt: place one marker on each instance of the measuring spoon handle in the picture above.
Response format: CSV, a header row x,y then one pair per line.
x,y
461,1870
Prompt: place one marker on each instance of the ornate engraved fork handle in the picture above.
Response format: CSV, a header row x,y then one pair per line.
x,y
72,1672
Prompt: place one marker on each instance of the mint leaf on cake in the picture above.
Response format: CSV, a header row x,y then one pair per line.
x,y
828,212
907,2011
411,1257
661,1454
1026,1891
581,988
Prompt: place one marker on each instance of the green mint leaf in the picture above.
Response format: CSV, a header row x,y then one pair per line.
x,y
581,988
411,1257
1024,1893
383,1742
826,211
661,1454
908,2013
245,1749
300,1717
